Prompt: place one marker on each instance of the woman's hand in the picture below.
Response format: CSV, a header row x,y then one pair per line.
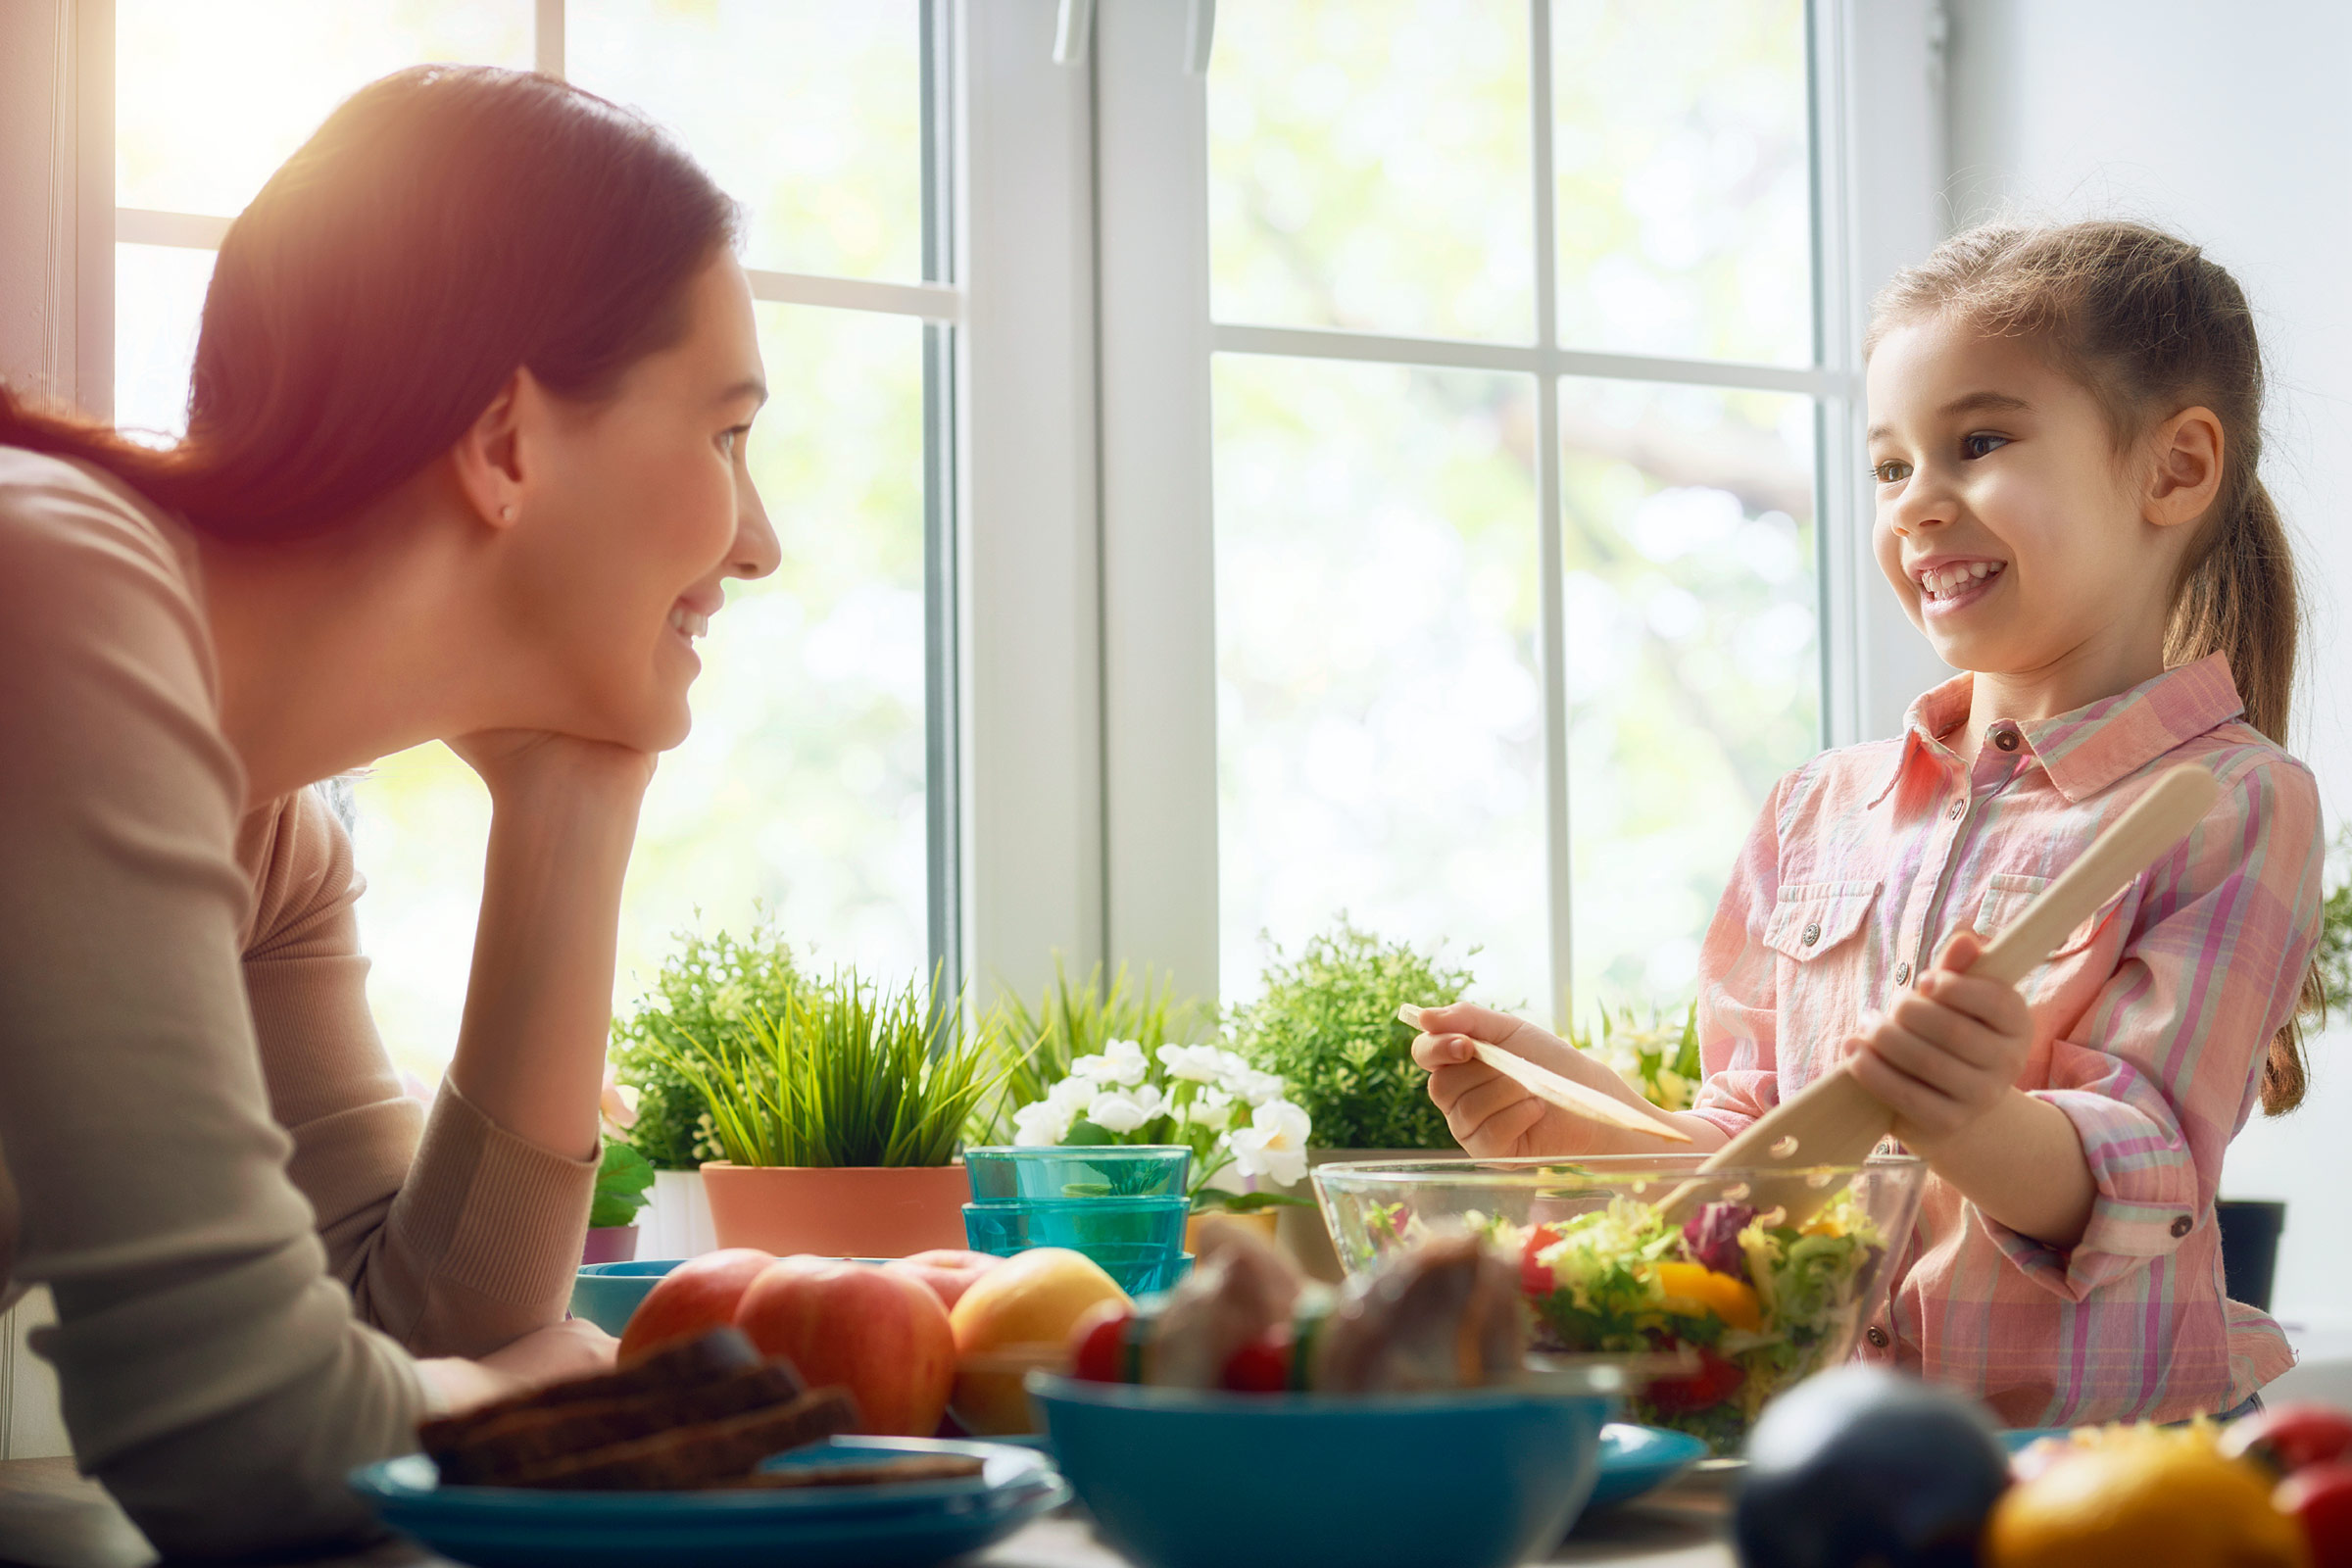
x,y
513,762
558,1353
1494,1117
1948,1054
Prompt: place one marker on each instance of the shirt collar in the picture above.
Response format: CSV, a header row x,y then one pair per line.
x,y
2086,749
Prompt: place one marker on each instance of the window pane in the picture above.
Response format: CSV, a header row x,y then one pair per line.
x,y
211,98
1684,185
1378,728
1368,166
1694,665
159,303
808,111
801,785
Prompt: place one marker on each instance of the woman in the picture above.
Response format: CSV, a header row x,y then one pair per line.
x,y
465,460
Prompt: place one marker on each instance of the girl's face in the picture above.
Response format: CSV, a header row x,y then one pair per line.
x,y
2015,535
636,511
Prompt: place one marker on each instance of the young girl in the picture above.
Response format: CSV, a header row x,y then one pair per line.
x,y
2064,433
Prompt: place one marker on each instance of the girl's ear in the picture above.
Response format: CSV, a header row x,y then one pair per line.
x,y
487,458
2188,471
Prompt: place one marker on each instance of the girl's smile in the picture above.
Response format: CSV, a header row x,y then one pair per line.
x,y
1949,584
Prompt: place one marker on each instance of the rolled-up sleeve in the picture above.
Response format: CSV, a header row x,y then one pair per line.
x,y
212,1373
1738,1000
453,1235
2165,1066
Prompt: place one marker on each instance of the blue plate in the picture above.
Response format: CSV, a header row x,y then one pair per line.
x,y
1639,1459
885,1527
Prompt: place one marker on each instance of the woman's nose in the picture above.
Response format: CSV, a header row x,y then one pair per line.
x,y
757,552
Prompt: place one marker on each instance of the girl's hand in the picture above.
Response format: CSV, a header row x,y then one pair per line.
x,y
1496,1118
1949,1052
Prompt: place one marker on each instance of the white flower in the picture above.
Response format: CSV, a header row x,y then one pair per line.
x,y
1041,1126
1199,1064
1212,1109
1273,1145
1126,1061
1069,1097
1115,1111
1246,1082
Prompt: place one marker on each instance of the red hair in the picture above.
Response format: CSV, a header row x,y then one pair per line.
x,y
446,226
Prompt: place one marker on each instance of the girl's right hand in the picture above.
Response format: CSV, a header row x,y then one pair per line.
x,y
1494,1117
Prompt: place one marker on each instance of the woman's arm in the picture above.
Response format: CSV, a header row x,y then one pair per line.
x,y
539,1006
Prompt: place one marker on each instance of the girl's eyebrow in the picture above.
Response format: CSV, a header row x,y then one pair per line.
x,y
1986,402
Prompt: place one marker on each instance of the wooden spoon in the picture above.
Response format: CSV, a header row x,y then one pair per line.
x,y
1835,1121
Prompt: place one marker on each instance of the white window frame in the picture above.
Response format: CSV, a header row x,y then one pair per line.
x,y
1877,101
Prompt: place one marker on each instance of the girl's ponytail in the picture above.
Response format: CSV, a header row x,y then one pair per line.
x,y
2151,326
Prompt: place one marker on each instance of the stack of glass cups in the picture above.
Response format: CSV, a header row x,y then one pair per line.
x,y
1123,1204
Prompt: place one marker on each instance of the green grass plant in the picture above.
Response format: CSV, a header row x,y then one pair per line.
x,y
1073,1019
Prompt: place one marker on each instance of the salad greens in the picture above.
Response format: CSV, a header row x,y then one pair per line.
x,y
1760,1301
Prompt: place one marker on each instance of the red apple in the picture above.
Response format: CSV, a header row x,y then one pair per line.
x,y
948,1271
878,1332
697,1296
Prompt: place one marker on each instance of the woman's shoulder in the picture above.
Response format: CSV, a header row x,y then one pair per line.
x,y
63,522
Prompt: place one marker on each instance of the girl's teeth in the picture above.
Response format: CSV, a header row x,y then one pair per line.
x,y
1941,584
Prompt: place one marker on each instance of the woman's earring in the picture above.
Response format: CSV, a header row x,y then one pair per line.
x,y
505,512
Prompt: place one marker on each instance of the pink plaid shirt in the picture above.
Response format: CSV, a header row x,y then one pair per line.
x,y
2150,1024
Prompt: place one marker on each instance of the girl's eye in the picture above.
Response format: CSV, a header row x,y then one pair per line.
x,y
1981,444
1892,471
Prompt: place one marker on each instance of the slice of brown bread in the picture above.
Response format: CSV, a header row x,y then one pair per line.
x,y
533,1434
687,1362
689,1458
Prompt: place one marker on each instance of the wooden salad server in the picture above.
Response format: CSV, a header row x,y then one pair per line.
x,y
1835,1121
1566,1093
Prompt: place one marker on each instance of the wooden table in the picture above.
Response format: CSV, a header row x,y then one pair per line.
x,y
52,1518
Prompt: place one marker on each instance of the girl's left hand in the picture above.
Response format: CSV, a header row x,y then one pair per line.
x,y
1948,1052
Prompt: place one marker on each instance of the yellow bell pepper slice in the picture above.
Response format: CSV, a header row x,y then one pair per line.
x,y
1690,1289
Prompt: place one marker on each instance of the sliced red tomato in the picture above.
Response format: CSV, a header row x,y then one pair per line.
x,y
1535,1280
1263,1366
1101,1339
1715,1381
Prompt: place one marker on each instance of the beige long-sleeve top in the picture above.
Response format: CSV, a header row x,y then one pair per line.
x,y
247,1229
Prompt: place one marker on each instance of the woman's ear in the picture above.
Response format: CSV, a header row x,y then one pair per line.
x,y
2188,471
488,458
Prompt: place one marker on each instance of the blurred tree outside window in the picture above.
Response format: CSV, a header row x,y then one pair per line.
x,y
1381,721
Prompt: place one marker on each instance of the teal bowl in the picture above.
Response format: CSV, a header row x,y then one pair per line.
x,y
606,1294
1183,1479
1107,1170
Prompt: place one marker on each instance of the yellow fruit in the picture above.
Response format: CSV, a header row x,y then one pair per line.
x,y
1033,1299
1692,1290
2140,1497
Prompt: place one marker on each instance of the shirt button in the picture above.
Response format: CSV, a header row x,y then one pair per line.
x,y
2006,739
1812,934
1876,1337
2182,1225
1903,974
1959,810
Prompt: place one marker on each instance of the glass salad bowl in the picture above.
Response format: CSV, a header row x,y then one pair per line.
x,y
1755,1300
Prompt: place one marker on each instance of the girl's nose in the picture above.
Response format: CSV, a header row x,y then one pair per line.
x,y
1920,507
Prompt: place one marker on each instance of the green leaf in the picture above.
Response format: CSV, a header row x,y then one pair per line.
x,y
1084,1134
609,1209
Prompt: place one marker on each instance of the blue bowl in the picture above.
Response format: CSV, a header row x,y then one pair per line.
x,y
1183,1479
1111,1170
606,1294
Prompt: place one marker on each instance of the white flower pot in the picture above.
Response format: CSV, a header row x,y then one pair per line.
x,y
677,1222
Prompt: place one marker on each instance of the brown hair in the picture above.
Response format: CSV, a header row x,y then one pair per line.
x,y
444,227
2150,326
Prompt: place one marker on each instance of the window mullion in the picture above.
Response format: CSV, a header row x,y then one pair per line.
x,y
1551,566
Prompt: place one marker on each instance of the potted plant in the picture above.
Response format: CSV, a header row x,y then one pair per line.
x,y
839,1117
623,1177
1326,1024
1096,1068
709,988
1656,1052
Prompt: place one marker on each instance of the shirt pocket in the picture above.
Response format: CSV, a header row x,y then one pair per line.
x,y
2006,894
1813,917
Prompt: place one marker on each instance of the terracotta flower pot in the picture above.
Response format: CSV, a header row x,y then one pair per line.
x,y
610,1243
840,1211
1302,1232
